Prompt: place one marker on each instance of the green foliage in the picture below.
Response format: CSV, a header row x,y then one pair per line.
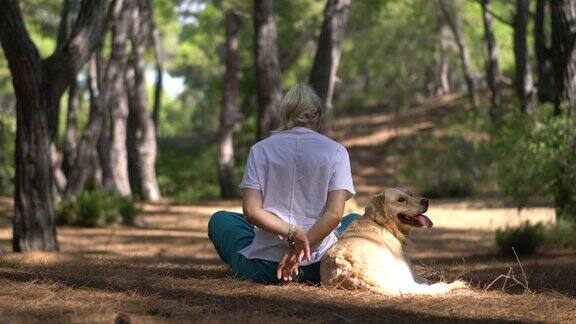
x,y
191,173
522,157
449,162
390,53
531,154
525,239
390,56
561,235
440,166
96,209
42,18
188,178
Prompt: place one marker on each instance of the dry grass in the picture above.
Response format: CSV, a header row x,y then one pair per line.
x,y
165,269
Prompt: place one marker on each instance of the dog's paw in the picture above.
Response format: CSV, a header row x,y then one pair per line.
x,y
459,284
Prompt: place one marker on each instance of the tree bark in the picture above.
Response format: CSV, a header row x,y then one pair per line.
x,y
3,183
267,68
229,114
62,163
463,52
563,54
564,63
87,148
131,139
524,83
159,66
329,50
33,223
71,135
119,17
103,147
545,84
138,103
68,17
118,153
443,67
38,86
492,72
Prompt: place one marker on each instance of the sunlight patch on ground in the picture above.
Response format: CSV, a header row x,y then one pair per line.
x,y
165,268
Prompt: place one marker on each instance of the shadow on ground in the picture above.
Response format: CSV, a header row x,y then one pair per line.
x,y
167,268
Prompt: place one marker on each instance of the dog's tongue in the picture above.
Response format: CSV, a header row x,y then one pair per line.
x,y
424,221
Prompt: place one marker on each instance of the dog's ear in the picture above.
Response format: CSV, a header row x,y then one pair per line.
x,y
370,209
376,206
384,205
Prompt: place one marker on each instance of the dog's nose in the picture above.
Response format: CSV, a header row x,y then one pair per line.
x,y
424,202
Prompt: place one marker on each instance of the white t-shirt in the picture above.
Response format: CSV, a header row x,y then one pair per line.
x,y
295,170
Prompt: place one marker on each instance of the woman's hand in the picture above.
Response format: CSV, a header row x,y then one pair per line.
x,y
293,256
287,268
301,245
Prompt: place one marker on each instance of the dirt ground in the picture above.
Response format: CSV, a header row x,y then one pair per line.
x,y
165,269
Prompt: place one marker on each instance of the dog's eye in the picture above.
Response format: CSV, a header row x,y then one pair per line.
x,y
401,199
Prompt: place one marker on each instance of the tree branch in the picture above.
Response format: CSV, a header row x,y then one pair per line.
x,y
63,27
159,62
21,53
69,59
496,16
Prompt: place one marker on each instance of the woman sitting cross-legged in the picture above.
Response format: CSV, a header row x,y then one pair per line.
x,y
294,189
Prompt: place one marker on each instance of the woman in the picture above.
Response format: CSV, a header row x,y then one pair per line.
x,y
294,189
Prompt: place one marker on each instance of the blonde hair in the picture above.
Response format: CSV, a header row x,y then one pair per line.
x,y
300,106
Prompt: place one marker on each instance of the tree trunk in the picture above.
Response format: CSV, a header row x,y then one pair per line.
x,y
463,51
267,68
87,148
102,91
131,139
38,86
492,72
229,115
63,33
443,72
71,136
564,63
159,62
545,85
61,68
103,147
62,163
138,103
329,50
524,83
3,182
118,153
34,217
563,54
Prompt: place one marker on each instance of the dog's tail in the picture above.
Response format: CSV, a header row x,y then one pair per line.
x,y
435,289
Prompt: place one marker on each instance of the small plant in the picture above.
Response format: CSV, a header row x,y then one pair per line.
x,y
525,239
96,209
562,235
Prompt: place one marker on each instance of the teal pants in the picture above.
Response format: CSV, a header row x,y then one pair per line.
x,y
230,233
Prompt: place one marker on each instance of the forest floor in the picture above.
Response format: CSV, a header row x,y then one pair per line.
x,y
165,268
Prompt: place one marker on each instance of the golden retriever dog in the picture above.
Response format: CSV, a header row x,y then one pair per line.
x,y
370,254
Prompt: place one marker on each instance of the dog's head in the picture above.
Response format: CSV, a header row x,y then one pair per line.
x,y
398,211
